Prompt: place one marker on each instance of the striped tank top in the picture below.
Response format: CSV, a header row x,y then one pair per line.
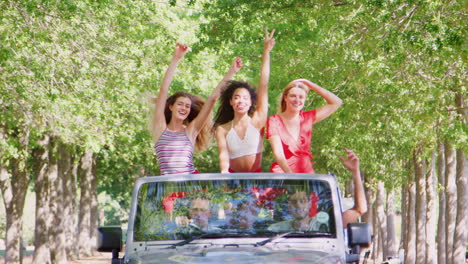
x,y
174,152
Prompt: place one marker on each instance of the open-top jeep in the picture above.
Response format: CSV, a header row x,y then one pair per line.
x,y
236,218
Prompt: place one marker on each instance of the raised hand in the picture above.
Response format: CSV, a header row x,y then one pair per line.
x,y
352,161
180,51
306,82
158,123
237,64
269,40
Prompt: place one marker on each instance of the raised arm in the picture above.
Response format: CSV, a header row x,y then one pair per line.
x,y
334,102
158,123
360,203
200,121
261,111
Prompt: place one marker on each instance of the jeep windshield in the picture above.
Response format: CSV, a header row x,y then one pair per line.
x,y
200,207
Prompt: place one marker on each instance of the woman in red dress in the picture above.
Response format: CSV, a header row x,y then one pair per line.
x,y
290,131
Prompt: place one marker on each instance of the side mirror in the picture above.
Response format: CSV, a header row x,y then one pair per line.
x,y
110,240
359,235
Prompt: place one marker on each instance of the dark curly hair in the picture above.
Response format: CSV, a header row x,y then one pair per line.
x,y
225,112
197,104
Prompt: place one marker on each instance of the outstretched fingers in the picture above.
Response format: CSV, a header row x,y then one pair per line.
x,y
351,154
269,40
351,161
269,35
272,33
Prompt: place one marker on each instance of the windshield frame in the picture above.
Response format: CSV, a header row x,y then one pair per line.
x,y
330,179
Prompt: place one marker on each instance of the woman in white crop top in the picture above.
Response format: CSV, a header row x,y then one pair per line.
x,y
179,122
239,123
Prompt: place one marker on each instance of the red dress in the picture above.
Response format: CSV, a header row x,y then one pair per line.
x,y
297,153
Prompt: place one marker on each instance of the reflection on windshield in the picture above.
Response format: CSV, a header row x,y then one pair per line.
x,y
259,208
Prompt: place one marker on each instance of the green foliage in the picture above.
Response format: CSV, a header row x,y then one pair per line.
x,y
84,72
384,59
114,213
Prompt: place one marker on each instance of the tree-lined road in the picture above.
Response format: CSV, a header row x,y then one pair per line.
x,y
77,79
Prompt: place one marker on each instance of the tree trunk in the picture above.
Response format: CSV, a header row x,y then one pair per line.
x,y
13,220
41,188
70,203
94,209
420,177
61,215
381,217
451,200
14,195
391,234
459,251
86,198
74,228
404,215
441,249
13,188
410,249
431,253
368,216
377,245
57,240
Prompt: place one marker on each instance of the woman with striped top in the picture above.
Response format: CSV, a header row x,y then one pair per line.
x,y
179,123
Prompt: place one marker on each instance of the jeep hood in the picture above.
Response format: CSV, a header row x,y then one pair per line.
x,y
235,255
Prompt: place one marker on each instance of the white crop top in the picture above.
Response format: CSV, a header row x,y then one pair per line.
x,y
250,145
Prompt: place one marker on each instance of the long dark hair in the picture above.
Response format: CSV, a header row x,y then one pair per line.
x,y
225,112
196,105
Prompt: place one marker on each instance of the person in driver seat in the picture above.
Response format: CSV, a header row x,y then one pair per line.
x,y
299,204
199,215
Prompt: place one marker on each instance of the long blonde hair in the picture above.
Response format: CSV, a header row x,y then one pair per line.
x,y
287,89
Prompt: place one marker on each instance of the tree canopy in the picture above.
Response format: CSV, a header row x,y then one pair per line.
x,y
85,72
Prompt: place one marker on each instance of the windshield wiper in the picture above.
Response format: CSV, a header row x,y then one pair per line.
x,y
210,234
266,241
295,234
186,241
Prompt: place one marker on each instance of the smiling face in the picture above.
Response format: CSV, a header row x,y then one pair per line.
x,y
181,108
241,101
294,99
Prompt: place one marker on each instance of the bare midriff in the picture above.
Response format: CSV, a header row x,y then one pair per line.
x,y
250,163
